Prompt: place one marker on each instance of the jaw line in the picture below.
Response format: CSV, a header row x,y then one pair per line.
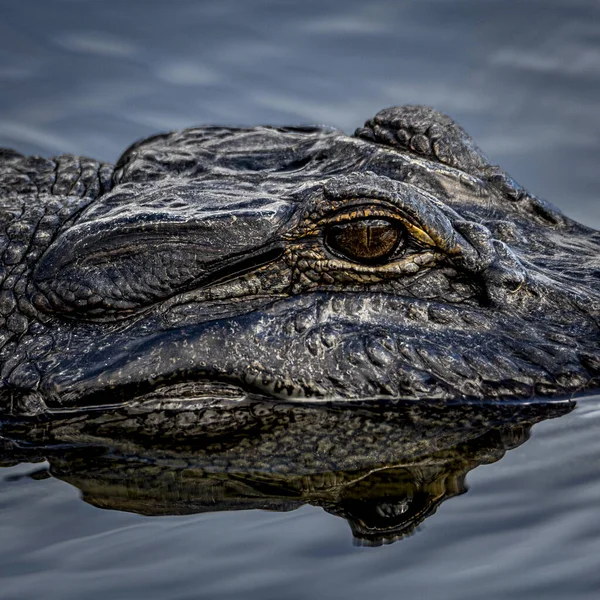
x,y
265,354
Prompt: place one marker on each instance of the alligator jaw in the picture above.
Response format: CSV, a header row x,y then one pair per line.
x,y
306,349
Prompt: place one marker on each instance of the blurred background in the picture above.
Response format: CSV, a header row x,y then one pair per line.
x,y
522,76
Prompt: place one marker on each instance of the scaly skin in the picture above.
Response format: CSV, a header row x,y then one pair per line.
x,y
292,263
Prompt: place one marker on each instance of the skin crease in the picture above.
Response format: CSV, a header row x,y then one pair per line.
x,y
290,263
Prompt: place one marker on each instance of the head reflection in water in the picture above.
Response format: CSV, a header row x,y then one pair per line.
x,y
383,469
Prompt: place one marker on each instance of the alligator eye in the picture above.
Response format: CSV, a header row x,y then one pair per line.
x,y
365,240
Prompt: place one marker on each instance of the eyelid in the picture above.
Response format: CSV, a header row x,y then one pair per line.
x,y
357,212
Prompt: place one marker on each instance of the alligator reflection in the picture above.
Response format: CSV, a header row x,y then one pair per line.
x,y
383,469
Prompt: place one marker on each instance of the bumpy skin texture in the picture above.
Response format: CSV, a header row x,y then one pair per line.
x,y
295,263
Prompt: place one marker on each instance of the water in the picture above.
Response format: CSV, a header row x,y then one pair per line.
x,y
521,76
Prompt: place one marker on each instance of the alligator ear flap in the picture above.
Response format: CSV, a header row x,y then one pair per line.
x,y
138,246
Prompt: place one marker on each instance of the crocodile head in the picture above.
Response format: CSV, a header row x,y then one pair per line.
x,y
295,263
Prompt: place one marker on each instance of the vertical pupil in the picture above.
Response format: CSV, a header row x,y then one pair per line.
x,y
365,239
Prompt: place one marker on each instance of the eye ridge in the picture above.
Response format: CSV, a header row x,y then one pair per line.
x,y
366,240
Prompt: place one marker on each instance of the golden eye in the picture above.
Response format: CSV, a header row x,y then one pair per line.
x,y
365,240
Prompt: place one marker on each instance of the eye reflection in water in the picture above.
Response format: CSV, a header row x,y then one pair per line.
x,y
383,468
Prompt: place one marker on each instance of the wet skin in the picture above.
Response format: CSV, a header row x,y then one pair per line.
x,y
290,263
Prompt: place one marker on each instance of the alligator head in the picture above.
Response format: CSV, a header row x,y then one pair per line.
x,y
295,263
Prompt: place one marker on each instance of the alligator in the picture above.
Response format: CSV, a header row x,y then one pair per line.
x,y
292,263
383,469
